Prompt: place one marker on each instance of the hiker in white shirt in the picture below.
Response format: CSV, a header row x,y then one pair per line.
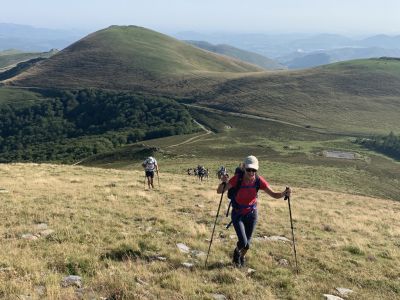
x,y
150,166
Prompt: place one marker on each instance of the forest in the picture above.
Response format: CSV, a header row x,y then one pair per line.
x,y
72,125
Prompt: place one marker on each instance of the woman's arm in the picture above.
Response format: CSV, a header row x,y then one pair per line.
x,y
278,195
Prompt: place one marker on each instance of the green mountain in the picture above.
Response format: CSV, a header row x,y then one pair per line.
x,y
247,56
361,96
356,98
128,57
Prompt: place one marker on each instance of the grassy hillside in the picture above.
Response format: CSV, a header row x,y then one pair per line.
x,y
122,240
250,57
357,97
10,58
352,97
289,154
124,58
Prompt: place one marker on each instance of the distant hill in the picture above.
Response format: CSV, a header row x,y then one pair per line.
x,y
309,61
31,39
247,56
382,40
356,97
361,96
129,57
301,60
281,47
19,68
9,58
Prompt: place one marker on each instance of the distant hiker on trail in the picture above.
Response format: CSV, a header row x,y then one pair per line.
x,y
202,172
242,190
150,165
221,171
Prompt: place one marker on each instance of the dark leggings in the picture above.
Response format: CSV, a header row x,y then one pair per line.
x,y
244,226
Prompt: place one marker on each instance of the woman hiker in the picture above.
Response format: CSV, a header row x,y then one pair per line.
x,y
245,186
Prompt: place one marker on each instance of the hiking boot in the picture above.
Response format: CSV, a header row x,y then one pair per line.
x,y
242,260
236,258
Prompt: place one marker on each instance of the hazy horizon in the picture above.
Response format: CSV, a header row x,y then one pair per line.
x,y
350,18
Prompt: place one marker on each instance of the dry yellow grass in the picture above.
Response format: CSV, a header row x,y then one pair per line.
x,y
110,231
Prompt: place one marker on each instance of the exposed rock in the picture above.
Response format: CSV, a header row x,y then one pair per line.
x,y
250,271
46,232
72,280
344,291
187,265
29,236
332,297
276,238
161,258
283,262
219,297
3,191
183,248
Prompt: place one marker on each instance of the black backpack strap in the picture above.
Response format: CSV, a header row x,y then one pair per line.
x,y
236,189
257,182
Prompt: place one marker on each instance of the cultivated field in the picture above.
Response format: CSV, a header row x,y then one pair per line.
x,y
122,240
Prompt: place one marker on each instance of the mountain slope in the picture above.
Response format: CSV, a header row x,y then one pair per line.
x,y
124,58
123,240
356,96
298,60
9,58
247,56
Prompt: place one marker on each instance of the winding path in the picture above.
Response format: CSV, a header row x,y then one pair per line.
x,y
194,138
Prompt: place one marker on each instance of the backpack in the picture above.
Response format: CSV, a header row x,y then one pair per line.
x,y
149,162
232,192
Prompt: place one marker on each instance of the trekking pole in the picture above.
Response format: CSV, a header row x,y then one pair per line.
x,y
158,178
216,218
291,225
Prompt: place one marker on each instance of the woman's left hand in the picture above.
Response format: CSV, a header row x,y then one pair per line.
x,y
287,192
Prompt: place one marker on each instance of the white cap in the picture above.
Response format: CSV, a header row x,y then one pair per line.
x,y
251,162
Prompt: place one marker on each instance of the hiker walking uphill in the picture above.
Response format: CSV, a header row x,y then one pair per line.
x,y
242,190
150,165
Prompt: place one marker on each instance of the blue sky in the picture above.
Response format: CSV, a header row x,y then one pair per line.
x,y
278,16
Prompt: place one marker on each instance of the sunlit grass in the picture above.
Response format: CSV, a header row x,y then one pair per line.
x,y
110,231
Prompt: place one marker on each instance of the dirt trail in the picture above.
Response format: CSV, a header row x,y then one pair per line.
x,y
242,115
195,138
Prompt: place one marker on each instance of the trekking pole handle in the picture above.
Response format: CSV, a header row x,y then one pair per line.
x,y
287,197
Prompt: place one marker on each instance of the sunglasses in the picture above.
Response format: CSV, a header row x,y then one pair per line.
x,y
251,170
